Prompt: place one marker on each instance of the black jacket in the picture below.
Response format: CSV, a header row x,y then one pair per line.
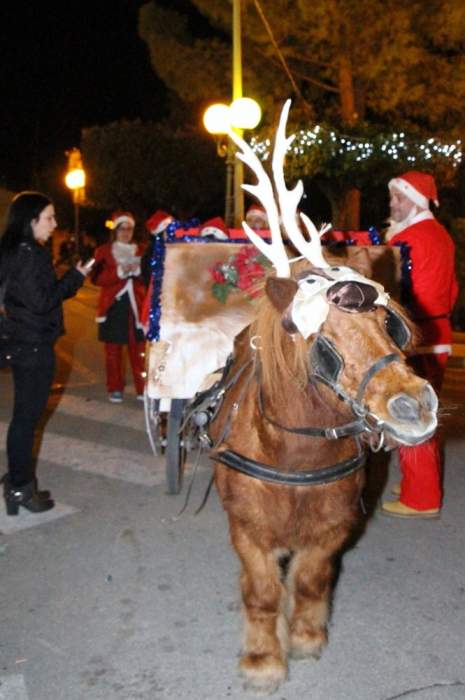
x,y
34,295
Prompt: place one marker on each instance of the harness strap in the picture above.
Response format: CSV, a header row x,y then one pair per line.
x,y
329,433
379,365
312,477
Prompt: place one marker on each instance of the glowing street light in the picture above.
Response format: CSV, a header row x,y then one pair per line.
x,y
243,113
76,180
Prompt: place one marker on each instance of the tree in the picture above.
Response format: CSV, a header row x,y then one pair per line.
x,y
144,167
349,63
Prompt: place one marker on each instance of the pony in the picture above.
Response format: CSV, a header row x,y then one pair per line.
x,y
316,380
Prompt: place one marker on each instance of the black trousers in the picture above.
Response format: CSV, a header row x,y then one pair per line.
x,y
33,368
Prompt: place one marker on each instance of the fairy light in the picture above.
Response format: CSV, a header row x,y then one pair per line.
x,y
398,146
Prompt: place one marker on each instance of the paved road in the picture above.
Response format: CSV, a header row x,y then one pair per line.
x,y
115,596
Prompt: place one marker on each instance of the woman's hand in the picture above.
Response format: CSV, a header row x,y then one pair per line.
x,y
84,269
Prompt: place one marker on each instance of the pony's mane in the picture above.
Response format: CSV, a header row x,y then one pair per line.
x,y
282,358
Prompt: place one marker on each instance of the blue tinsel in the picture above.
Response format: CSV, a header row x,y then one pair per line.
x,y
405,273
158,264
373,235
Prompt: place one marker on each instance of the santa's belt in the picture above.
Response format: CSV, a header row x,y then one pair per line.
x,y
430,318
432,350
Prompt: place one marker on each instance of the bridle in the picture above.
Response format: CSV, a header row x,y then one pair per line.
x,y
327,367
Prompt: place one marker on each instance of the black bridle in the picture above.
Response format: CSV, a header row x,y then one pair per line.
x,y
327,365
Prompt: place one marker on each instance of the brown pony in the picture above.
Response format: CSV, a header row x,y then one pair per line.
x,y
301,407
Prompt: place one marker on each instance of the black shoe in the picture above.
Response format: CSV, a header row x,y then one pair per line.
x,y
27,497
44,495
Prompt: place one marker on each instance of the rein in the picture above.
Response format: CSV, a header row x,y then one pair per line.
x,y
365,421
312,477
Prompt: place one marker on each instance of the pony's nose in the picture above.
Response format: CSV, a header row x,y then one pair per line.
x,y
404,408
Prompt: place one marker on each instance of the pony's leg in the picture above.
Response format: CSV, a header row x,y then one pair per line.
x,y
309,584
265,643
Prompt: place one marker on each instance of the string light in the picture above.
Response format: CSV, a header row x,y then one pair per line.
x,y
398,147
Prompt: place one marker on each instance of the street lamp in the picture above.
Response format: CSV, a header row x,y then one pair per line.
x,y
234,167
76,180
243,113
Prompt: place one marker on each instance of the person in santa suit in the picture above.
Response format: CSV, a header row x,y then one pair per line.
x,y
429,296
118,274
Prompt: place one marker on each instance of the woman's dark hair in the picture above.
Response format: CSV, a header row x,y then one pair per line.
x,y
25,207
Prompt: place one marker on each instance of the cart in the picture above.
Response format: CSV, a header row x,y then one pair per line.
x,y
194,336
193,333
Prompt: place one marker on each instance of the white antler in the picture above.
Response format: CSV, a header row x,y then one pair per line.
x,y
289,199
274,251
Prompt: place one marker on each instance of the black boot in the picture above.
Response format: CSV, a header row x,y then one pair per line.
x,y
27,497
44,495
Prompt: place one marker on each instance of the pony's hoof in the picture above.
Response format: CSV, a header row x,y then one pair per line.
x,y
302,654
256,690
262,673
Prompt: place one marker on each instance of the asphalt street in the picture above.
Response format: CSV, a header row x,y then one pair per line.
x,y
115,595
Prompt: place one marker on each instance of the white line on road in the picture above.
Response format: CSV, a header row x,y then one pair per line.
x,y
104,460
13,688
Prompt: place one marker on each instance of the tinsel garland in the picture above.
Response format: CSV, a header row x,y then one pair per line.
x,y
373,235
157,264
175,225
405,273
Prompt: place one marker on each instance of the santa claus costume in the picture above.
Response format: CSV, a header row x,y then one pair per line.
x,y
117,272
429,292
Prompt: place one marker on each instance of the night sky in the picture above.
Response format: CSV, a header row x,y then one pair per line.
x,y
65,65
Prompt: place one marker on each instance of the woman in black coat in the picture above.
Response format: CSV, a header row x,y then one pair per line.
x,y
33,320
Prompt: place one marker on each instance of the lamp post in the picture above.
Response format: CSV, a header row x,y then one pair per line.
x,y
243,113
76,180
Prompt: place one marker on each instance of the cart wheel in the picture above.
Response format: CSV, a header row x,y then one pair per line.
x,y
175,453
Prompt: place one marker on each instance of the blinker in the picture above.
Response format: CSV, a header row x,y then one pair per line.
x,y
397,328
327,363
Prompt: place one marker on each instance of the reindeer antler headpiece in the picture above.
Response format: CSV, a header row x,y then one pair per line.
x,y
311,302
288,202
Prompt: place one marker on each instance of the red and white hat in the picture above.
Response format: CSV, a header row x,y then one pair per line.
x,y
158,222
258,212
121,217
215,228
418,187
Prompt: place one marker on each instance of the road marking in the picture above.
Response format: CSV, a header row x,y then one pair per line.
x,y
10,524
101,459
13,688
103,412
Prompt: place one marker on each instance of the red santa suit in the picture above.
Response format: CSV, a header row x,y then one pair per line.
x,y
120,323
429,300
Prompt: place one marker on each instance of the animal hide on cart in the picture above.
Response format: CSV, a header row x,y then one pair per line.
x,y
197,331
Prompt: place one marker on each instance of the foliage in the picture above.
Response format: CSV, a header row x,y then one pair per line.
x,y
362,155
144,167
388,60
243,271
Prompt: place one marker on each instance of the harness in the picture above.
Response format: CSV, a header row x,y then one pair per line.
x,y
327,366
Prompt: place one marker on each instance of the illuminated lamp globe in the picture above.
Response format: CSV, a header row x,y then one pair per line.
x,y
245,113
217,119
75,179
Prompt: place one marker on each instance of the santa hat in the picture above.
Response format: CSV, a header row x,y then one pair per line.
x,y
121,217
158,222
259,212
418,187
216,228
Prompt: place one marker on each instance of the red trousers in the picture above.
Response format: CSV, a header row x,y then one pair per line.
x,y
113,355
420,487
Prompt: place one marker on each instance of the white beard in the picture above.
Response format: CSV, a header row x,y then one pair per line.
x,y
415,215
